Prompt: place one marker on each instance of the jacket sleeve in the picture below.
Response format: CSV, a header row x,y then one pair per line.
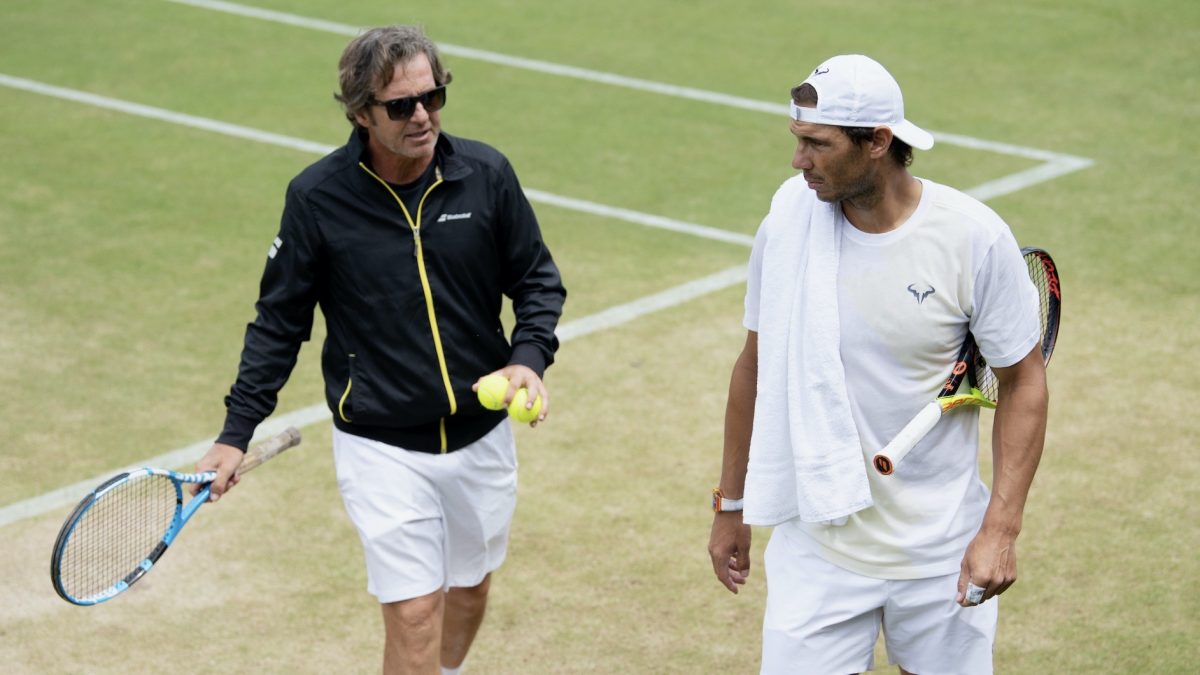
x,y
529,277
283,321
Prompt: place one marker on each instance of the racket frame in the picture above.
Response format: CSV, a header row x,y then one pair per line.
x,y
970,364
183,512
1053,297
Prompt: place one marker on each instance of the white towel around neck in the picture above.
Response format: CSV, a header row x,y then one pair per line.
x,y
805,456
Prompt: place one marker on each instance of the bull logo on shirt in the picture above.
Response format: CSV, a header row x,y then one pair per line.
x,y
920,295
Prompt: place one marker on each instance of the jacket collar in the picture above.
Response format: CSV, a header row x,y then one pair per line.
x,y
445,154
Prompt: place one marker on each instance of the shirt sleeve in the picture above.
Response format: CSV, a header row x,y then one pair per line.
x,y
754,279
283,321
531,278
1005,322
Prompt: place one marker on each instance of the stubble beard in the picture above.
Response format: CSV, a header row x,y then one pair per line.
x,y
861,193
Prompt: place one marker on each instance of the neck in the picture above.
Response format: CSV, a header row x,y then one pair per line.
x,y
894,198
393,167
399,170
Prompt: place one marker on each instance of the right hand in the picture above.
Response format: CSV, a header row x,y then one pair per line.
x,y
224,459
729,547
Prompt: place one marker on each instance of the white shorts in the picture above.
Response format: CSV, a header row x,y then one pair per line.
x,y
821,618
428,521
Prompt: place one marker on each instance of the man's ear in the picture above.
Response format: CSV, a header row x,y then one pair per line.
x,y
880,142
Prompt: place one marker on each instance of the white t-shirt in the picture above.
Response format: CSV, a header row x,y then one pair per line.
x,y
906,299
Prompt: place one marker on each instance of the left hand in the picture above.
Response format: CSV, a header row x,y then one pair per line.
x,y
522,376
990,563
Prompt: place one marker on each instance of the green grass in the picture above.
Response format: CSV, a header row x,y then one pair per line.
x,y
130,252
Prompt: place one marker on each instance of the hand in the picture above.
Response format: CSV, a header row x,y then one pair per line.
x,y
729,548
224,459
989,563
522,376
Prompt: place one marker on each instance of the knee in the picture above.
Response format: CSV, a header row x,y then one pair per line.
x,y
470,596
481,589
414,617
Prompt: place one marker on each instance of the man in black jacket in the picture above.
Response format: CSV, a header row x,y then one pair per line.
x,y
407,238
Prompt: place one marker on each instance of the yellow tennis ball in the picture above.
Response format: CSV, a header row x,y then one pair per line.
x,y
519,412
492,390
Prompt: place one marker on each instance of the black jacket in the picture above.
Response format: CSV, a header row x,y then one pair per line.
x,y
391,373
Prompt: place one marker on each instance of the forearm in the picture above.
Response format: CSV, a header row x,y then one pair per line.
x,y
739,421
1018,436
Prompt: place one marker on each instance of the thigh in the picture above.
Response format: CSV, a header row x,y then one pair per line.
x,y
928,632
820,618
398,515
479,497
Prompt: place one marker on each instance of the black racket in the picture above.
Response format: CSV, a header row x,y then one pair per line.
x,y
982,389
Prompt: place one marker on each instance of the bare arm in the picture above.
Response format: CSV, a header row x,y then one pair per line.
x,y
729,541
1018,434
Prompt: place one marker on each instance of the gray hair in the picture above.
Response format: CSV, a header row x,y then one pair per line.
x,y
368,62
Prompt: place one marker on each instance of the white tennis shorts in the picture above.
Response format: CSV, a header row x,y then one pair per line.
x,y
428,522
824,619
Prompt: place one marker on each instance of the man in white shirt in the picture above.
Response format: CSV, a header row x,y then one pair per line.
x,y
918,265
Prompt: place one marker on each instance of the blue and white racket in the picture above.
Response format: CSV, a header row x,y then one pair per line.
x,y
116,534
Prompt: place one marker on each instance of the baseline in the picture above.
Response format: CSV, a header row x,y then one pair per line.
x,y
1054,164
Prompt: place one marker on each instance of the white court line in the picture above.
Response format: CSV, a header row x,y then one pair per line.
x,y
1055,164
163,115
71,494
64,497
293,143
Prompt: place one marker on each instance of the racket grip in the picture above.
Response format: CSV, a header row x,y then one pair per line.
x,y
889,457
267,449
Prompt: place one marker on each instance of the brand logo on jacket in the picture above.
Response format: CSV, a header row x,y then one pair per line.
x,y
454,216
275,246
920,295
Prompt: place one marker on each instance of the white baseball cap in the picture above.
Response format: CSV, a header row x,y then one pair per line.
x,y
856,91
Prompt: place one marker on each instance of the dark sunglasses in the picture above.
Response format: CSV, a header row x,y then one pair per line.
x,y
400,109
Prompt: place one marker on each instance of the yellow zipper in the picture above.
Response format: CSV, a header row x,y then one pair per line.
x,y
415,226
346,394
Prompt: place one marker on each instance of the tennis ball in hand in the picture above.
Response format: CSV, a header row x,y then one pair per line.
x,y
492,390
519,412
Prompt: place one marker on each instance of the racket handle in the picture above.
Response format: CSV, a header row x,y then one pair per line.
x,y
889,457
267,449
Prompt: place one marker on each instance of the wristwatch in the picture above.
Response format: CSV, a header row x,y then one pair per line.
x,y
722,504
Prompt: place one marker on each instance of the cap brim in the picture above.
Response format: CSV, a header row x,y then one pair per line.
x,y
913,135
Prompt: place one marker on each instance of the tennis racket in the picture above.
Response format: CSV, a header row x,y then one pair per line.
x,y
982,388
119,531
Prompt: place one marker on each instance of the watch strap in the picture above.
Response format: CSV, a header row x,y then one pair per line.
x,y
723,504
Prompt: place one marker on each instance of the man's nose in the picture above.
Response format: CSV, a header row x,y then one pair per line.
x,y
800,160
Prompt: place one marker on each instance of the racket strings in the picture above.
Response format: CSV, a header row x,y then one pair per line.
x,y
984,379
1044,276
117,533
1046,284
